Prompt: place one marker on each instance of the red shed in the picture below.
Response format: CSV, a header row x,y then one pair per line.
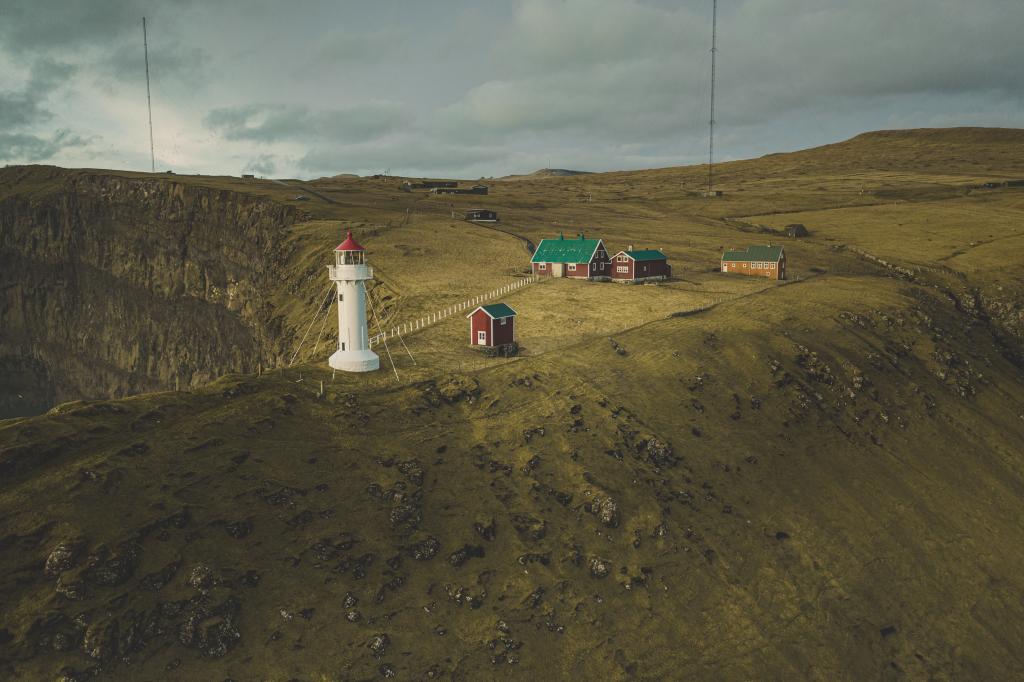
x,y
492,325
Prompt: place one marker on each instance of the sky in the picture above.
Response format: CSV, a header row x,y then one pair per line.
x,y
470,89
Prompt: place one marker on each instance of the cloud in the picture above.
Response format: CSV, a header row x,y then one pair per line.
x,y
281,122
264,164
346,46
47,25
407,154
31,148
26,106
167,62
465,88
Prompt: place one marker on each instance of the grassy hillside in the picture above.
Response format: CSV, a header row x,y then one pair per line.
x,y
713,478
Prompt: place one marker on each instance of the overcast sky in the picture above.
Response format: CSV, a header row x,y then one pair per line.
x,y
469,89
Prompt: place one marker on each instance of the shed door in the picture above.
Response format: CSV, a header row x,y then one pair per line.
x,y
556,269
481,338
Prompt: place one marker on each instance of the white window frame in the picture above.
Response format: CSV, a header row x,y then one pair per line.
x,y
504,321
572,267
542,266
622,268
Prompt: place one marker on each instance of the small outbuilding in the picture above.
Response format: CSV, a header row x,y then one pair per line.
x,y
644,265
760,261
482,215
796,230
492,325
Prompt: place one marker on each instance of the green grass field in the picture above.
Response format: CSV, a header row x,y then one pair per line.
x,y
818,479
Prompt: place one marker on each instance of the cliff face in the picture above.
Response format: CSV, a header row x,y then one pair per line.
x,y
114,285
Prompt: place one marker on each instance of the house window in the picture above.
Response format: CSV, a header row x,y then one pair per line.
x,y
572,267
621,268
504,321
542,266
773,265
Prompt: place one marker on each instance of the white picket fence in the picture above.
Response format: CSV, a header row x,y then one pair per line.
x,y
410,327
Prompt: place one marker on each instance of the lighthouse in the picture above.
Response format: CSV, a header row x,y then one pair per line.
x,y
349,273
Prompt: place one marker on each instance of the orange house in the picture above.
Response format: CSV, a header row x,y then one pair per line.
x,y
760,261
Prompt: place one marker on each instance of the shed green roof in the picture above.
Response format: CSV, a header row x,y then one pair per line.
x,y
771,254
565,250
497,310
646,254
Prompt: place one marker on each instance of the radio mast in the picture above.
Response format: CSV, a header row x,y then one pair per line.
x,y
149,101
711,122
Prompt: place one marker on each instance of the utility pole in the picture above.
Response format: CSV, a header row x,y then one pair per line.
x,y
711,122
149,101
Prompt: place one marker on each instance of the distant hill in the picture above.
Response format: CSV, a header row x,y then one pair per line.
x,y
547,172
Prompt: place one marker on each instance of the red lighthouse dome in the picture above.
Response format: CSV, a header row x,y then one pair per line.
x,y
349,244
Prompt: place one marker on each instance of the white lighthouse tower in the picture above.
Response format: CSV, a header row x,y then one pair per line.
x,y
349,272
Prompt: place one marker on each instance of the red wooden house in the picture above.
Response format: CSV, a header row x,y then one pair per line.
x,y
492,325
646,265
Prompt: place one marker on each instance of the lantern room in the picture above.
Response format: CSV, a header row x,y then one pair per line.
x,y
349,252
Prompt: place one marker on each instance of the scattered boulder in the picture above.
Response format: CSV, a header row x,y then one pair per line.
x,y
425,549
62,557
71,588
467,552
379,644
600,568
607,510
201,577
111,569
100,640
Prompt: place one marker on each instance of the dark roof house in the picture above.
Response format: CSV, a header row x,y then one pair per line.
x,y
643,265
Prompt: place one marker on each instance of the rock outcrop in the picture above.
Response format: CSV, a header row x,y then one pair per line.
x,y
113,285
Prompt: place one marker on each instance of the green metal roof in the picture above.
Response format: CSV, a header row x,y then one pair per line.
x,y
563,250
645,254
498,310
755,253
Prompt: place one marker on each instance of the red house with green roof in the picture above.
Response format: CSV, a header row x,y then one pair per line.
x,y
492,325
760,261
581,258
644,265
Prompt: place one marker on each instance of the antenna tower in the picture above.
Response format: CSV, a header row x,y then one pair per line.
x,y
711,122
149,101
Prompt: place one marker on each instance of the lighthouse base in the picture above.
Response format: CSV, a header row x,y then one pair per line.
x,y
354,360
